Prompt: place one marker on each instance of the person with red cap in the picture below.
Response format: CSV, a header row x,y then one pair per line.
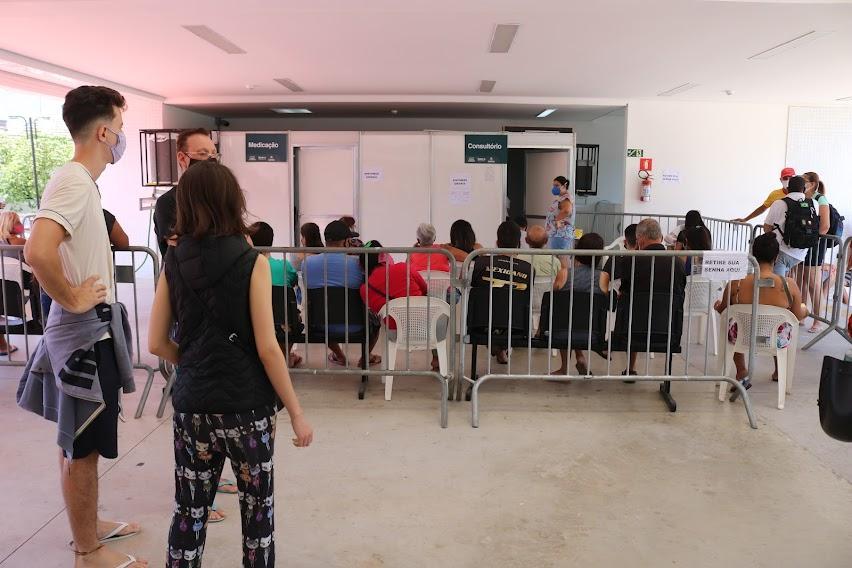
x,y
773,196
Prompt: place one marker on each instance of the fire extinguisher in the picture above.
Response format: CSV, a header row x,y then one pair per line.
x,y
645,176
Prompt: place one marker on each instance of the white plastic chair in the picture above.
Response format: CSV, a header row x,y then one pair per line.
x,y
769,319
438,283
412,322
541,286
700,297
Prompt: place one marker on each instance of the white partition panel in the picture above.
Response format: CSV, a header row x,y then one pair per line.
x,y
394,186
266,186
484,206
327,183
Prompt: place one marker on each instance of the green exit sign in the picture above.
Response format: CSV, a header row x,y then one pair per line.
x,y
635,153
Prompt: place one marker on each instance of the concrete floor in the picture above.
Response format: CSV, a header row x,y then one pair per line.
x,y
587,474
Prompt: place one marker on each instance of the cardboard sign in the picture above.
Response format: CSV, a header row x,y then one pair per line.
x,y
724,265
266,147
646,164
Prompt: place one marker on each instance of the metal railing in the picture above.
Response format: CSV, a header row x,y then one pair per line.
x,y
636,331
726,235
841,302
343,318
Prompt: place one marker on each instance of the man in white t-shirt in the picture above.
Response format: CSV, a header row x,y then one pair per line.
x,y
69,251
788,257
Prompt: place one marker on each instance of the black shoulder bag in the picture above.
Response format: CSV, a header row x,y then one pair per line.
x,y
835,398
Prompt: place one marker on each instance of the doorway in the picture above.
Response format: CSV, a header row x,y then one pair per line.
x,y
529,179
325,180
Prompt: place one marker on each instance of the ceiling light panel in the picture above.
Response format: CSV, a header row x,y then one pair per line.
x,y
504,35
486,86
215,38
797,41
290,84
677,90
546,112
291,111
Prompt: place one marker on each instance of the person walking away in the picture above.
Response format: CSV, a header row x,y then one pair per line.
x,y
70,254
231,373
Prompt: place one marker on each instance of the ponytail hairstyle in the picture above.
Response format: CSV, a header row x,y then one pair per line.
x,y
562,180
813,177
693,219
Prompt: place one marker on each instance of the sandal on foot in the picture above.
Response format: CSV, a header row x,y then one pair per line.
x,y
9,350
332,358
225,483
627,381
115,534
583,370
215,509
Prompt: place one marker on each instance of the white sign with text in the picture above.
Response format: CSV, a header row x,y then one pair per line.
x,y
374,174
724,265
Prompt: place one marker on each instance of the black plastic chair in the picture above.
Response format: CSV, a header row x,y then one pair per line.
x,y
289,328
339,306
578,320
13,312
488,316
648,330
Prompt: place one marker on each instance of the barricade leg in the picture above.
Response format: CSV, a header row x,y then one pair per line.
x,y
167,393
146,390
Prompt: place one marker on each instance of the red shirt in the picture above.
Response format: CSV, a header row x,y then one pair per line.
x,y
421,261
400,280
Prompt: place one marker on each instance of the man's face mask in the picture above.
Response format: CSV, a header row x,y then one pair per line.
x,y
195,161
785,183
120,145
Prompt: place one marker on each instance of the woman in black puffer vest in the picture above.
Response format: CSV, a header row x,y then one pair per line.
x,y
231,373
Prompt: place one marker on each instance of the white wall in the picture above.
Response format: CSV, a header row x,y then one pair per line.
x,y
610,133
728,155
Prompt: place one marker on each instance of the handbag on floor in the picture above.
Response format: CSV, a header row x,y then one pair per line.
x,y
835,398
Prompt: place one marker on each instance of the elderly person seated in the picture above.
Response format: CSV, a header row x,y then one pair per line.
x,y
783,293
428,261
544,265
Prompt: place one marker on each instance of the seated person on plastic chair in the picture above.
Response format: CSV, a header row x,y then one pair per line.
x,y
283,274
628,242
585,277
544,265
783,293
387,281
503,270
636,278
337,270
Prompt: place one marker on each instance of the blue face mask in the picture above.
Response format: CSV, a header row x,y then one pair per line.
x,y
120,145
556,190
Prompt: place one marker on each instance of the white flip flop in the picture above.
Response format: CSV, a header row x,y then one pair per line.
x,y
130,561
113,535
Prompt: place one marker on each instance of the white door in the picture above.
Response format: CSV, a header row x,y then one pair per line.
x,y
325,184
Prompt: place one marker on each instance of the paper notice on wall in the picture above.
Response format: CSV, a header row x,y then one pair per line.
x,y
724,265
373,174
459,189
671,176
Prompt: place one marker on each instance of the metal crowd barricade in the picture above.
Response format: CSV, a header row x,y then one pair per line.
x,y
835,278
502,319
127,291
308,321
21,304
726,235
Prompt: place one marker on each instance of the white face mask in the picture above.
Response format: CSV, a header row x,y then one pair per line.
x,y
785,183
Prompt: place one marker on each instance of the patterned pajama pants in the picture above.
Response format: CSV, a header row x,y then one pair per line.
x,y
202,442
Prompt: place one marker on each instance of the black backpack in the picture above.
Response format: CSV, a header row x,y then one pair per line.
x,y
801,225
836,225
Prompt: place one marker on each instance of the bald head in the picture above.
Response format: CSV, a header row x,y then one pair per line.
x,y
536,237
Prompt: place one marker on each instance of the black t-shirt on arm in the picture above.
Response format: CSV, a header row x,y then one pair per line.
x,y
109,219
165,217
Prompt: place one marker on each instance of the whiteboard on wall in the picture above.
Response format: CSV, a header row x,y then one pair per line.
x,y
484,208
394,186
819,139
266,186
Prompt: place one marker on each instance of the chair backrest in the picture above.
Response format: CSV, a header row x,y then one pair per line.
x,y
285,310
574,315
771,332
437,282
652,313
699,295
12,300
478,320
334,301
416,318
